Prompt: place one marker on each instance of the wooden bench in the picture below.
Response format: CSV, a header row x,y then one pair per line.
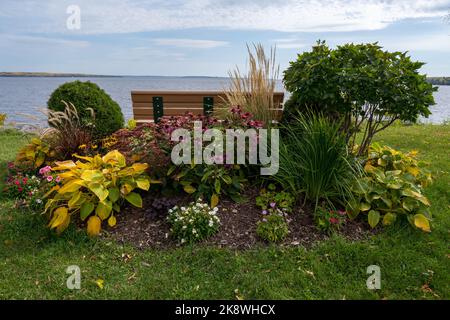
x,y
151,105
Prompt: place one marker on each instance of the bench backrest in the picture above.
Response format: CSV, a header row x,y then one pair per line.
x,y
151,105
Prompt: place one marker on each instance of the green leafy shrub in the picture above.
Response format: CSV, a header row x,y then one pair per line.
x,y
273,227
96,189
392,188
270,198
314,160
87,96
361,86
193,223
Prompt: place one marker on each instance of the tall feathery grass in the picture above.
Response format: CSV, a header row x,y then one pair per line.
x,y
315,162
67,130
253,91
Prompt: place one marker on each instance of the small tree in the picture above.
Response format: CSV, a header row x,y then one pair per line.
x,y
361,85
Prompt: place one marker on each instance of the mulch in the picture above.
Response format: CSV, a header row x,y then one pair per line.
x,y
237,231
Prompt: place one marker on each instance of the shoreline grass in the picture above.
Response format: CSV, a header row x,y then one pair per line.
x,y
414,265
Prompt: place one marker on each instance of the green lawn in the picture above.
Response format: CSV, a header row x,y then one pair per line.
x,y
414,265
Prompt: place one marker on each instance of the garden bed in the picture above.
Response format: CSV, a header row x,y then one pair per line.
x,y
141,229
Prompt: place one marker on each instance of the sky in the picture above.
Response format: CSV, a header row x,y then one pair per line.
x,y
209,37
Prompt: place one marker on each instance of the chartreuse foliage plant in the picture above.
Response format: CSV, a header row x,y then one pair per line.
x,y
35,154
95,189
392,188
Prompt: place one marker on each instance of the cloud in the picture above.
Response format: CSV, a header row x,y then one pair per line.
x,y
34,40
289,43
189,43
127,16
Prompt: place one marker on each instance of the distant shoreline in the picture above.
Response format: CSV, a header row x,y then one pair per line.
x,y
442,81
84,75
53,75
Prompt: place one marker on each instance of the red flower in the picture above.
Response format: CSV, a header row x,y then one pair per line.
x,y
17,183
334,220
24,180
20,189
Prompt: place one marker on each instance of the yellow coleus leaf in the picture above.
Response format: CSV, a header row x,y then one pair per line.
x,y
112,221
98,190
59,216
92,175
64,165
100,283
67,174
214,200
103,209
421,222
115,157
74,200
143,183
94,226
126,189
368,168
63,226
70,186
139,167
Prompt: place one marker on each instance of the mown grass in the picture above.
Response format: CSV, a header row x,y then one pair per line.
x,y
414,265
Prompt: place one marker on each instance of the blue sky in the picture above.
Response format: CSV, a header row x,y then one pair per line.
x,y
208,37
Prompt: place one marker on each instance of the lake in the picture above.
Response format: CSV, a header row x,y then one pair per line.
x,y
24,96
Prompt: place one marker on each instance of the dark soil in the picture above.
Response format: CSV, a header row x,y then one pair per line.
x,y
142,229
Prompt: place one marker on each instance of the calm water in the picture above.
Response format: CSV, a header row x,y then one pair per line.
x,y
25,95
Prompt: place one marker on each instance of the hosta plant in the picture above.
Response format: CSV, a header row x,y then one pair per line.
x,y
193,223
392,188
95,190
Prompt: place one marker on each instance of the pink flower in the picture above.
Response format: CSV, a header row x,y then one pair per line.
x,y
342,213
10,165
58,179
43,171
273,204
49,178
17,182
20,189
264,212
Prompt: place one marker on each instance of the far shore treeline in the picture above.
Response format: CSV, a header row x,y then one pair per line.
x,y
441,81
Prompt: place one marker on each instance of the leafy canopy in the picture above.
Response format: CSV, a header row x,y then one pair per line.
x,y
361,84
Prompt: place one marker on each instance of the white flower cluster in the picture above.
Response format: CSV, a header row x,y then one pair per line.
x,y
194,222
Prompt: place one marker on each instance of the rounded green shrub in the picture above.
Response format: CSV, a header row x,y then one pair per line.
x,y
85,95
